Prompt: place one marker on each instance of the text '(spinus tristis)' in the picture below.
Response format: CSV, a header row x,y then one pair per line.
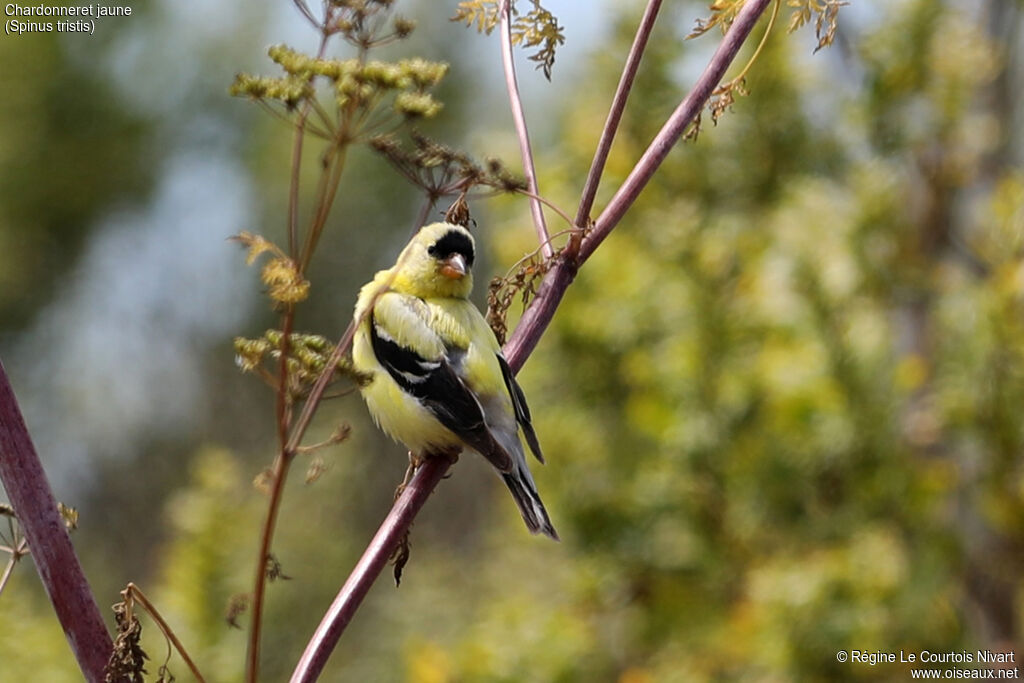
x,y
439,381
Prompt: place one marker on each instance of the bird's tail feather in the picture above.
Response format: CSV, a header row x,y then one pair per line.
x,y
520,483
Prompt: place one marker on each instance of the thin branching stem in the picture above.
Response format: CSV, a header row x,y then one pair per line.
x,y
300,136
283,390
305,11
519,118
293,185
323,195
329,190
321,113
280,116
611,124
515,266
323,183
551,205
280,473
138,596
16,554
760,46
283,407
424,213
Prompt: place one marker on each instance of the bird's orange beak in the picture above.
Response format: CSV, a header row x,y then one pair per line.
x,y
454,267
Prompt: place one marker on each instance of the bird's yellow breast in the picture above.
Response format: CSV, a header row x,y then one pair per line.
x,y
399,414
459,326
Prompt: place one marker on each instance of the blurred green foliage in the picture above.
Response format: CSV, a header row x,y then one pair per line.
x,y
63,160
781,404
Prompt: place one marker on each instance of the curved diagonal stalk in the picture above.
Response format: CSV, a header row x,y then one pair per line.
x,y
133,592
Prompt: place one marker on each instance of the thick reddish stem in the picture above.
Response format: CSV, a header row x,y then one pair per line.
x,y
26,485
370,565
536,318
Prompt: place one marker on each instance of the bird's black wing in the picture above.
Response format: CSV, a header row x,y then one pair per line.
x,y
522,410
441,391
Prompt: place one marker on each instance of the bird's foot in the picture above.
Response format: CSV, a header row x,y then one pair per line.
x,y
415,460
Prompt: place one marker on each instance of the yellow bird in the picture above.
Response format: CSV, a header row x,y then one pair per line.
x,y
439,380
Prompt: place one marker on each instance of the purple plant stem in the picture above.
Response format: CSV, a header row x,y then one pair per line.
x,y
519,118
283,460
536,318
26,485
611,124
423,215
673,129
529,331
552,288
370,565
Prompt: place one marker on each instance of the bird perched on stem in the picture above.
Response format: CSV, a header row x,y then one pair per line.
x,y
439,381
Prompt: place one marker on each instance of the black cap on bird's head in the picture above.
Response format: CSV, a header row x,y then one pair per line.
x,y
453,248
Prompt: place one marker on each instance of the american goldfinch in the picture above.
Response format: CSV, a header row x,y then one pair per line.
x,y
439,382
